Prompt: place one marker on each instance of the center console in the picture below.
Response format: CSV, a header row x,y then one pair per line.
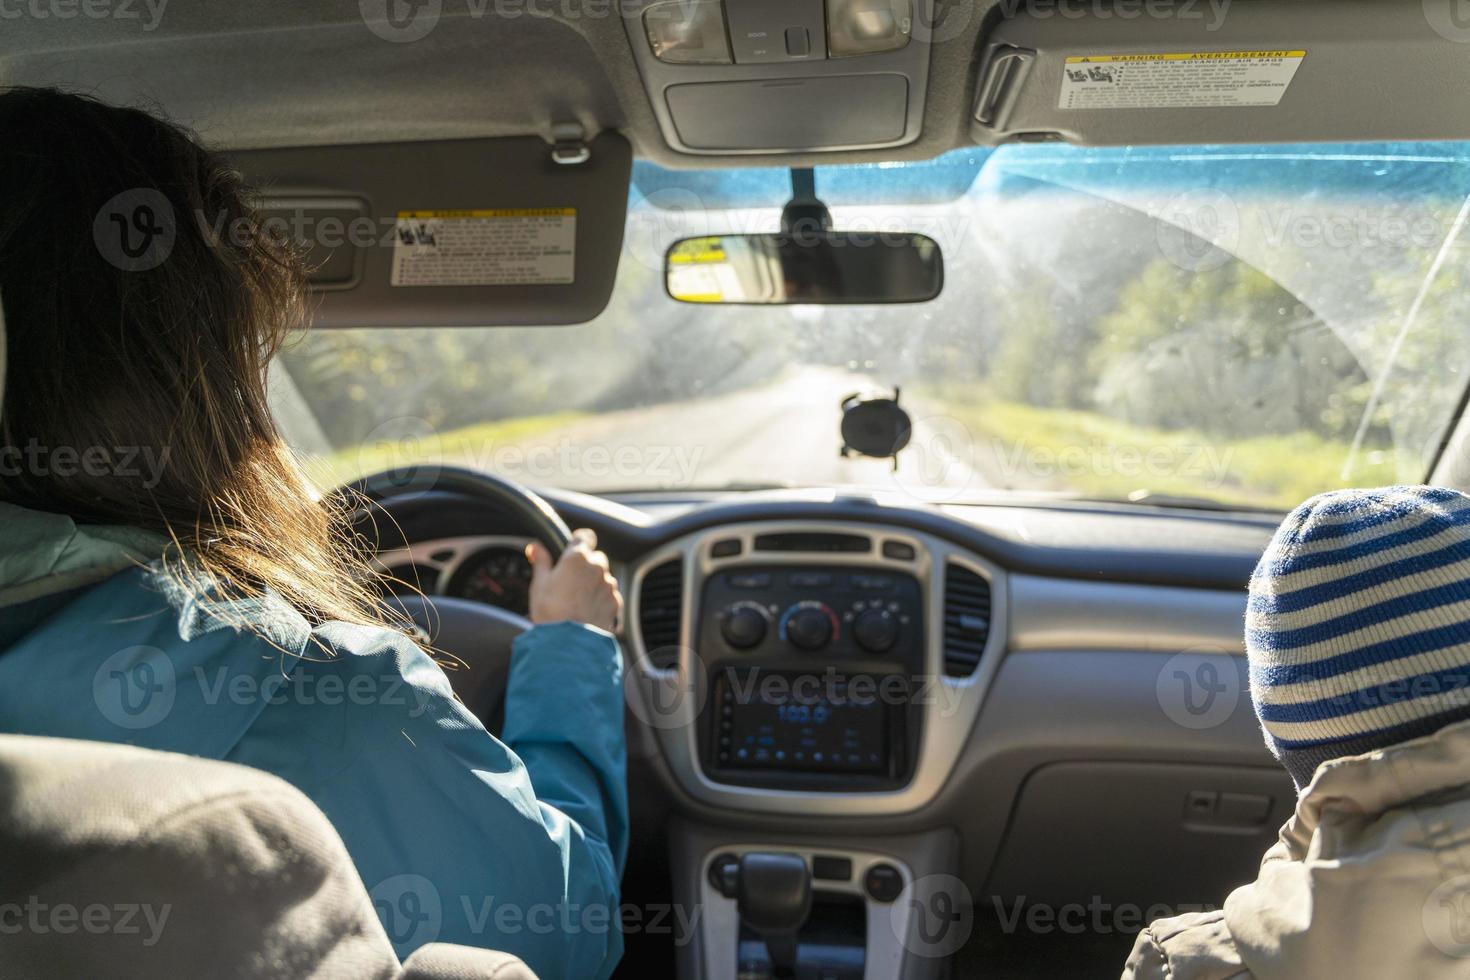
x,y
819,672
811,670
842,908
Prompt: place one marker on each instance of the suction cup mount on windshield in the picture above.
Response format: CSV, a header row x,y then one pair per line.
x,y
874,425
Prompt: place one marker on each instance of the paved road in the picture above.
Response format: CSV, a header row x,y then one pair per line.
x,y
784,432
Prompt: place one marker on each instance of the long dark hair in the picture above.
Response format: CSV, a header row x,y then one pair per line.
x,y
143,304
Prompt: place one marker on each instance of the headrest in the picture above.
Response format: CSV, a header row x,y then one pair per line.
x,y
220,869
126,862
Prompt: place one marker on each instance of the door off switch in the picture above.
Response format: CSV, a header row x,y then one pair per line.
x,y
771,31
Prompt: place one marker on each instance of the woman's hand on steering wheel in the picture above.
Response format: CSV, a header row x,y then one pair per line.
x,y
578,587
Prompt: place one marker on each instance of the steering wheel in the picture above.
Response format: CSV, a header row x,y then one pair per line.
x,y
476,635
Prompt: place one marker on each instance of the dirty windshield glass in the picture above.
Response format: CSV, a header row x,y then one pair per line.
x,y
1247,325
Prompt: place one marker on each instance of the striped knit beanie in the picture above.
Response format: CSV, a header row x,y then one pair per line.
x,y
1358,624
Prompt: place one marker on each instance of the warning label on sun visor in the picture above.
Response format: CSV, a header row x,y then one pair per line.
x,y
507,247
1173,81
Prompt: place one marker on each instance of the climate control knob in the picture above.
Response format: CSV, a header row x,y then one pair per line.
x,y
744,625
875,630
809,625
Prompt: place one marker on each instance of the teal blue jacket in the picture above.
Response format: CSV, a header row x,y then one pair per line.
x,y
515,844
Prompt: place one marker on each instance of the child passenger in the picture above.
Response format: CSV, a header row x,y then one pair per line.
x,y
1358,636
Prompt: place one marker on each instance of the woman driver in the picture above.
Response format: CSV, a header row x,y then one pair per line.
x,y
167,579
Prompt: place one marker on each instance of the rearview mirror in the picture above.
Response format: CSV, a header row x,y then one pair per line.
x,y
813,267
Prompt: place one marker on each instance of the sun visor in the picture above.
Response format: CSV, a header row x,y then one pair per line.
x,y
478,232
1213,71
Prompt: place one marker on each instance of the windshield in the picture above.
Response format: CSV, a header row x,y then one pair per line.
x,y
1245,325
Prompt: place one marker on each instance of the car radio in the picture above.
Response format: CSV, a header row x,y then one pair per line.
x,y
811,670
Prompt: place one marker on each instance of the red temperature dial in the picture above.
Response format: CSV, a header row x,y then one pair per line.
x,y
809,625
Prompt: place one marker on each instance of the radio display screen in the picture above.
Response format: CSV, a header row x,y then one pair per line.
x,y
804,722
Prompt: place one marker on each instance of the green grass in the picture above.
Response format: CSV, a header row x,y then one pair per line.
x,y
471,445
1096,455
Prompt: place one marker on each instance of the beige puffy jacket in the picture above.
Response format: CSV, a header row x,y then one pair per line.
x,y
1370,880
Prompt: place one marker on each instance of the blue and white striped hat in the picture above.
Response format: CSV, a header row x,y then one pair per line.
x,y
1358,623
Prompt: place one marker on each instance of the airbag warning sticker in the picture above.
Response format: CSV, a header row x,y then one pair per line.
x,y
1172,81
508,247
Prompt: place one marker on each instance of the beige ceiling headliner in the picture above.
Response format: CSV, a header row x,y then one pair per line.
x,y
292,73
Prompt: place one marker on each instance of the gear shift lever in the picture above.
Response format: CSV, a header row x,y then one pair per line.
x,y
773,893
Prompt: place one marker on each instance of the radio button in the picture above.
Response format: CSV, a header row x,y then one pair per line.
x,y
809,580
750,580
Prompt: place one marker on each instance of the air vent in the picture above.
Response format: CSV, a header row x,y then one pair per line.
x,y
966,620
660,602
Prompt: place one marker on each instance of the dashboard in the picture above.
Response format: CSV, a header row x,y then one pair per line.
x,y
814,668
825,650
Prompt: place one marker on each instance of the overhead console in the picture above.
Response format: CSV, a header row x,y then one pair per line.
x,y
770,76
1268,71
